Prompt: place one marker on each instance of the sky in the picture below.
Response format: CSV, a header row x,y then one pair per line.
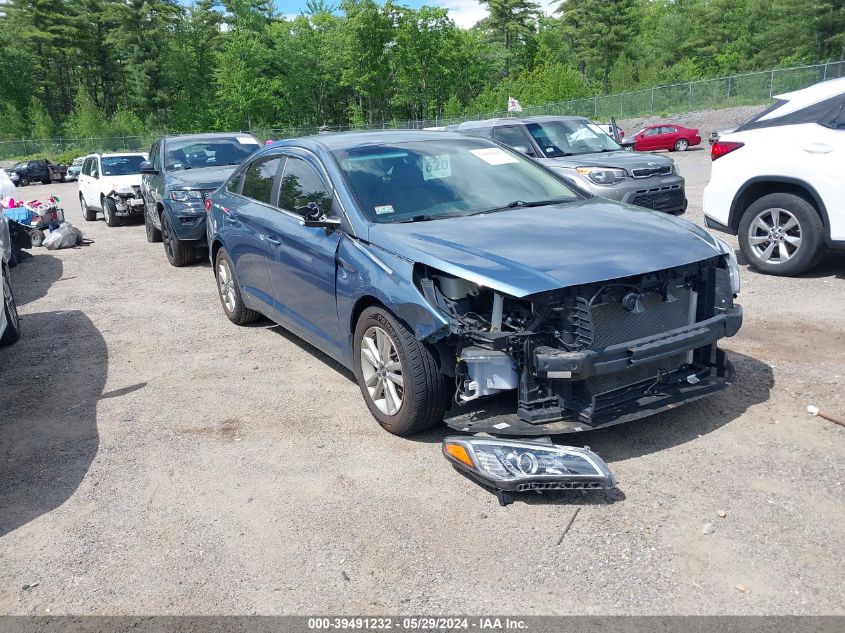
x,y
465,13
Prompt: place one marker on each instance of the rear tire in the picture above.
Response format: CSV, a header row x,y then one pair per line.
x,y
421,394
37,237
178,253
229,291
110,212
90,214
780,221
13,325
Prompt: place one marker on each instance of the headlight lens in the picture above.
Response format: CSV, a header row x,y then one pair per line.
x,y
675,169
186,195
603,175
514,464
733,264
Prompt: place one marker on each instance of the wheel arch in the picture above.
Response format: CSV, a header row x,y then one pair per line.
x,y
760,186
216,245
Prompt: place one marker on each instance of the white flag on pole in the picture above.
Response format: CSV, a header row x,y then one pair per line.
x,y
514,105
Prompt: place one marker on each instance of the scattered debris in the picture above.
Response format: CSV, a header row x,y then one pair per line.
x,y
742,588
344,575
568,525
31,585
814,410
708,528
722,513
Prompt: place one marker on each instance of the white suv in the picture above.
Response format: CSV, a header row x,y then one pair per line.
x,y
111,183
778,181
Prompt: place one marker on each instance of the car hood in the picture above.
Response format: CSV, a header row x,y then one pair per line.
x,y
624,159
131,180
525,251
204,178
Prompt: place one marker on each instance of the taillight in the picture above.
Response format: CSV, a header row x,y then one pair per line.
x,y
720,148
206,202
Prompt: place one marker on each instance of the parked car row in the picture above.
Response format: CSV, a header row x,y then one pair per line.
x,y
41,170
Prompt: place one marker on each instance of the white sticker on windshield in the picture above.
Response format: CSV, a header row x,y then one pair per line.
x,y
494,156
384,208
246,140
436,167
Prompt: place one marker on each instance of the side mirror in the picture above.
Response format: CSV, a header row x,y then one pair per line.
x,y
522,149
313,216
147,168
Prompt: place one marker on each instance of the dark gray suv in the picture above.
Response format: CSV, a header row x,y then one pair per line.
x,y
181,171
579,150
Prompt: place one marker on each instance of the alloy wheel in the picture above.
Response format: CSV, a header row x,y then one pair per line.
x,y
381,369
681,145
775,236
165,236
226,285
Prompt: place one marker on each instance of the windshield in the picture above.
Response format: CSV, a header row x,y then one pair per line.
x,y
20,165
218,152
432,179
122,165
77,161
570,137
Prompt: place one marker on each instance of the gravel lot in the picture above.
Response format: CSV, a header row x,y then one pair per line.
x,y
155,458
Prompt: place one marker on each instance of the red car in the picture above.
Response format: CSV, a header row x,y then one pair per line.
x,y
664,136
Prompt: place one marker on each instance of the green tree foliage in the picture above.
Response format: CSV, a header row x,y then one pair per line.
x,y
128,68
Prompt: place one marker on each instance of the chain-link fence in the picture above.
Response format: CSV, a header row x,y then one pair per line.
x,y
746,89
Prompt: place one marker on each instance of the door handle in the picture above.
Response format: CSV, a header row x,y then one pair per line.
x,y
818,148
230,219
274,240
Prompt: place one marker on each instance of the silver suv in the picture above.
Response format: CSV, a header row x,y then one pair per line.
x,y
579,150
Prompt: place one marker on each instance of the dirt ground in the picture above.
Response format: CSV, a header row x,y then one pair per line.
x,y
156,459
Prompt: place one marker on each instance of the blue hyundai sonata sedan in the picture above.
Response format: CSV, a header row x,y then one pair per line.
x,y
459,279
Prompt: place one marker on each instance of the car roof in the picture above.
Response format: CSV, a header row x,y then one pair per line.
x,y
468,125
138,153
799,99
347,140
208,136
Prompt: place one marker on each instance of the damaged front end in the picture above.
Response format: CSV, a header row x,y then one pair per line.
x,y
585,356
127,200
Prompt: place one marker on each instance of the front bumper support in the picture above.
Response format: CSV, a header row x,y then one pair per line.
x,y
554,364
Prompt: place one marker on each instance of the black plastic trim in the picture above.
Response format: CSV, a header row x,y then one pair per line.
x,y
617,358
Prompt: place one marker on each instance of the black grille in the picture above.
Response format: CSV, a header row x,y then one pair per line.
x,y
613,324
647,172
660,200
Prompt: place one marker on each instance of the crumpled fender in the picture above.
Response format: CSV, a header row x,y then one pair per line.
x,y
366,272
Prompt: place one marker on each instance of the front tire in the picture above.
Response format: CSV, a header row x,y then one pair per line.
x,y
37,237
178,253
90,214
398,375
153,234
13,325
24,181
681,145
110,212
230,292
781,234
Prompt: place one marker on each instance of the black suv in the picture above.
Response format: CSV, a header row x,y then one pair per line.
x,y
42,171
181,171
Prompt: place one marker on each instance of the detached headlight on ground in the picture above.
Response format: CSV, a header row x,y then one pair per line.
x,y
520,466
186,195
603,175
733,264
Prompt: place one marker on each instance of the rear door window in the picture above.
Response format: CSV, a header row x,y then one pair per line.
x,y
512,135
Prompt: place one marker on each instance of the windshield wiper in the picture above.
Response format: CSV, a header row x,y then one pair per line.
x,y
522,204
421,218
